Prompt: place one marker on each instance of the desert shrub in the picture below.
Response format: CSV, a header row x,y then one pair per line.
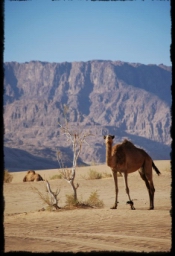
x,y
70,201
56,176
106,175
7,176
93,175
45,197
94,200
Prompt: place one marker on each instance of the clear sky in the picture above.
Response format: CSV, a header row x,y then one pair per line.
x,y
79,30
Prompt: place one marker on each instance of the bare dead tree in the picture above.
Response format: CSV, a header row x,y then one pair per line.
x,y
53,195
77,138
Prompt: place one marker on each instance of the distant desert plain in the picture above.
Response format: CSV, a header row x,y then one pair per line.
x,y
30,226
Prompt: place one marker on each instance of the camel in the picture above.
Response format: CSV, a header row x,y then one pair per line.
x,y
32,176
126,158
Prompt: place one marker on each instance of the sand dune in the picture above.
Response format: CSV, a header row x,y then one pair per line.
x,y
28,228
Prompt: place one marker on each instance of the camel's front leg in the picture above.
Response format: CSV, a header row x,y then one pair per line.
x,y
127,191
116,189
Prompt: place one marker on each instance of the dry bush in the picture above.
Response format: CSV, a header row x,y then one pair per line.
x,y
106,175
94,200
7,176
56,176
70,201
93,175
46,198
43,196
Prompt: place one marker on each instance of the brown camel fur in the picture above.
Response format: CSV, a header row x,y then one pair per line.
x,y
32,176
126,158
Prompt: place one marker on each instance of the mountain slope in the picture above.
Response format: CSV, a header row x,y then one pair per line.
x,y
126,99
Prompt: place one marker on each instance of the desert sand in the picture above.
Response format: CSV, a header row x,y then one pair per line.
x,y
28,226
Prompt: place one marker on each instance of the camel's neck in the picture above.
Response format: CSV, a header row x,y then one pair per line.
x,y
108,153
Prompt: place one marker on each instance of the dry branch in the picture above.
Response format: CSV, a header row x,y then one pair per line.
x,y
53,196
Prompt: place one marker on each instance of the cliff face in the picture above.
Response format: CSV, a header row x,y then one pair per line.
x,y
128,100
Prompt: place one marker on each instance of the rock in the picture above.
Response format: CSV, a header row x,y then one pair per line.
x,y
129,100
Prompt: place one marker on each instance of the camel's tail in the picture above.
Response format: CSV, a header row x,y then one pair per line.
x,y
155,168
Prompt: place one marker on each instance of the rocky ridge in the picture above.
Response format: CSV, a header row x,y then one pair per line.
x,y
129,100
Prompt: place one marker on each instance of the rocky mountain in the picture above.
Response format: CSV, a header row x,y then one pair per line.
x,y
129,100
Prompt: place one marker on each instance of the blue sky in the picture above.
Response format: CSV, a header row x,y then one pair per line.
x,y
58,31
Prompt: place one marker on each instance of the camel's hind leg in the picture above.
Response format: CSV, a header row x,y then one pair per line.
x,y
150,186
127,190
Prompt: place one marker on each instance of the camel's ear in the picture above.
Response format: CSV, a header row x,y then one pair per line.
x,y
113,137
104,137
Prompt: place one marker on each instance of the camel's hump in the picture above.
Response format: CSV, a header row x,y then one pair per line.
x,y
127,143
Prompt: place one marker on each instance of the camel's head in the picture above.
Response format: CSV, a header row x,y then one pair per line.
x,y
31,171
109,138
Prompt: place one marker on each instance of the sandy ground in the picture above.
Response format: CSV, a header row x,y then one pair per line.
x,y
27,228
